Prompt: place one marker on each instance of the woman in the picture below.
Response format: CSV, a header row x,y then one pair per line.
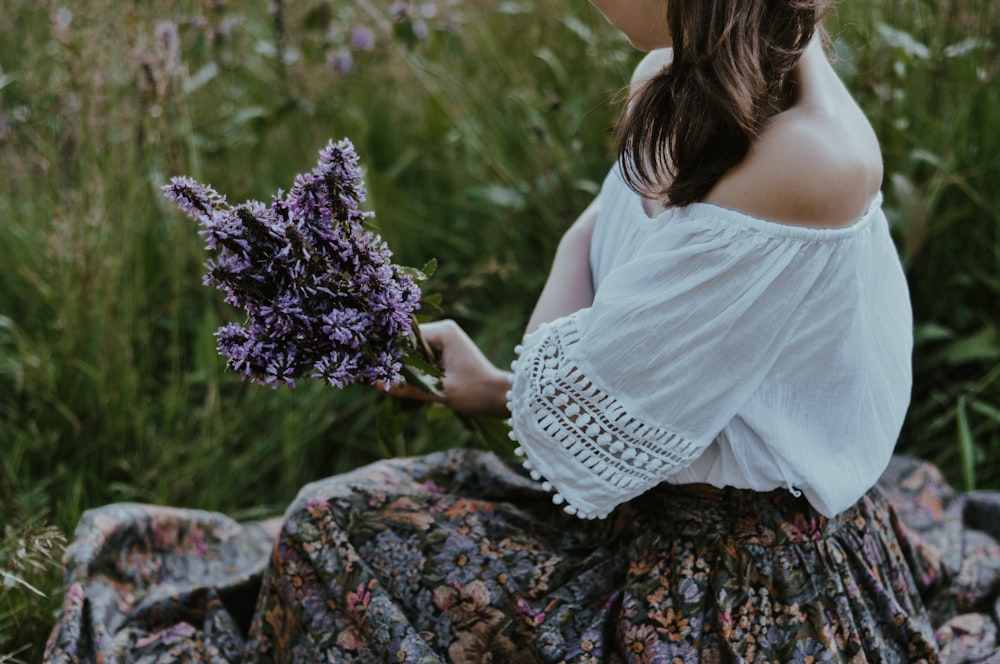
x,y
709,388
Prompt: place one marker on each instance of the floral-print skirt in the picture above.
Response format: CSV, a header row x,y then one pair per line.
x,y
458,557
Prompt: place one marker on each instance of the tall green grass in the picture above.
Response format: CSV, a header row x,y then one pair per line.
x,y
480,142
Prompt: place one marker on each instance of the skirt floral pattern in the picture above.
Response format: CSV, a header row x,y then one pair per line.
x,y
458,557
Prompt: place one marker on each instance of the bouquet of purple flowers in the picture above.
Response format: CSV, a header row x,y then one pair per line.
x,y
323,299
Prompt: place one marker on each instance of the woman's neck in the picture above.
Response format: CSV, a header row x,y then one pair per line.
x,y
816,83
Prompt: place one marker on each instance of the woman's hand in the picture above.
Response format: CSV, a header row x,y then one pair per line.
x,y
472,384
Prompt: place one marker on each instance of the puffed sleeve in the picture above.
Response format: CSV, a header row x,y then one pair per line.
x,y
610,401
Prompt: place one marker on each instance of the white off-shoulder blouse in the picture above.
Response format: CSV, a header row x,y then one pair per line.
x,y
719,348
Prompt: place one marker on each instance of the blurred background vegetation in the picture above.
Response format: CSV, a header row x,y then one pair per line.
x,y
483,129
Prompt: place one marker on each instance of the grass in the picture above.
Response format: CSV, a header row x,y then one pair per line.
x,y
476,153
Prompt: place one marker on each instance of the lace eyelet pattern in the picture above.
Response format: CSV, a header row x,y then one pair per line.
x,y
569,429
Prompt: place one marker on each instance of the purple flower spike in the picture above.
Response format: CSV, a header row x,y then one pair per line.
x,y
322,297
196,199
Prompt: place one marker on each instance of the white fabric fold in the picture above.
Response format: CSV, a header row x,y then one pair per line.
x,y
585,442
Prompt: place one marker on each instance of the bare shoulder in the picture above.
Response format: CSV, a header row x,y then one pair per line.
x,y
651,64
811,166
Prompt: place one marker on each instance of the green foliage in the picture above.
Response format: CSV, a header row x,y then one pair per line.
x,y
484,130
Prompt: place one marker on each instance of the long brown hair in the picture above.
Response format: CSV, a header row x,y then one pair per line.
x,y
731,72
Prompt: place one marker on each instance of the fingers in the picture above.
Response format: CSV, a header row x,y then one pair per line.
x,y
438,333
411,392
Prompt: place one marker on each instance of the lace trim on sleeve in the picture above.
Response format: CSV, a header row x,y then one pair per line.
x,y
579,438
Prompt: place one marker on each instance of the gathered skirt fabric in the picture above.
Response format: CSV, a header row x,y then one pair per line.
x,y
458,557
